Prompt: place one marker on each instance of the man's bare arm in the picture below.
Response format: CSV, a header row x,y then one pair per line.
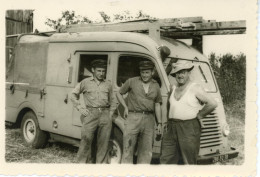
x,y
158,114
209,103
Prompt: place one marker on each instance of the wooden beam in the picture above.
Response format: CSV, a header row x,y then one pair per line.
x,y
186,27
131,26
190,34
221,25
197,42
165,25
183,19
150,27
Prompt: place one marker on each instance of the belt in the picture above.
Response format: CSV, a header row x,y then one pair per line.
x,y
142,112
99,108
179,120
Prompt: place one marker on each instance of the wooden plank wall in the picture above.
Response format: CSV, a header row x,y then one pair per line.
x,y
17,22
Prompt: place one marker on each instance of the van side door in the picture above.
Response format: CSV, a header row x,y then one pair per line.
x,y
60,80
128,67
84,70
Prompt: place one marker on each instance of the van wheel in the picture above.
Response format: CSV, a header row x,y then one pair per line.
x,y
115,147
32,134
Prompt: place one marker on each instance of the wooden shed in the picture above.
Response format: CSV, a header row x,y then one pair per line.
x,y
16,22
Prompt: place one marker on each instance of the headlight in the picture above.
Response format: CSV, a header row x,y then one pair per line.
x,y
226,130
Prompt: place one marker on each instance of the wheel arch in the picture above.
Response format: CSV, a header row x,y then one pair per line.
x,y
22,109
118,124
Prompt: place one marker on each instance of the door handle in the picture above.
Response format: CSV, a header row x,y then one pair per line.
x,y
66,99
12,88
42,93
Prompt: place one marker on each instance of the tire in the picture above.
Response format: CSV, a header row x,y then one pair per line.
x,y
33,136
115,147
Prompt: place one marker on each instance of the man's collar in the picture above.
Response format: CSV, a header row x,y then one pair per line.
x,y
93,79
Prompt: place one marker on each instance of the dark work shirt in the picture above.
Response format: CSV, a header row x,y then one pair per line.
x,y
94,94
137,99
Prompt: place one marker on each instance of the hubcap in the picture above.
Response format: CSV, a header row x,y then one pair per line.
x,y
29,130
115,152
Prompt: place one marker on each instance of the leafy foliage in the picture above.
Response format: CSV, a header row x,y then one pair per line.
x,y
230,73
126,16
70,17
67,18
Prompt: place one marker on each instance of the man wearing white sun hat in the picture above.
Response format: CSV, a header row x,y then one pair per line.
x,y
189,103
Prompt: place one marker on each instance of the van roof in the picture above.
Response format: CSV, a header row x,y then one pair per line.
x,y
178,48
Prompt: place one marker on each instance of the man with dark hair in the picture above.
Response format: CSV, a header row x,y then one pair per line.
x,y
143,100
98,96
189,103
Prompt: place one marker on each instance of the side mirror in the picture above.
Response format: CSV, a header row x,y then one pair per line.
x,y
165,52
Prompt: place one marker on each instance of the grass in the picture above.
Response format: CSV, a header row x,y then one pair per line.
x,y
235,114
16,151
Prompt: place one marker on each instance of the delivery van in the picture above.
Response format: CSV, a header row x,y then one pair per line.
x,y
43,70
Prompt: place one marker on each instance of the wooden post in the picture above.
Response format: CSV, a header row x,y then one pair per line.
x,y
154,31
197,43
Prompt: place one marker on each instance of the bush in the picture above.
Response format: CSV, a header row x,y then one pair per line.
x,y
230,73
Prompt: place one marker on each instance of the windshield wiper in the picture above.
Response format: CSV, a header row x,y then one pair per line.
x,y
201,71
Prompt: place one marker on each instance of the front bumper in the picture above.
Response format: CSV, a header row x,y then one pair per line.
x,y
213,158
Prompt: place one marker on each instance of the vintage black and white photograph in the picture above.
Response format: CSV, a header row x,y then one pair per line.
x,y
149,85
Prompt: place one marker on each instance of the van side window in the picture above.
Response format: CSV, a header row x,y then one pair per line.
x,y
85,65
128,67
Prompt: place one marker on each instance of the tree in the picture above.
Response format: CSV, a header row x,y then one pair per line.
x,y
70,17
126,16
230,73
67,18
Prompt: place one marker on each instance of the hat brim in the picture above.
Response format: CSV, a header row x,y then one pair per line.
x,y
173,72
145,68
99,66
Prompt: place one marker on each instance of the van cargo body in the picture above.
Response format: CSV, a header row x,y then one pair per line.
x,y
45,69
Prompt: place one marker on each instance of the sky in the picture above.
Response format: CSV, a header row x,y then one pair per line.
x,y
221,10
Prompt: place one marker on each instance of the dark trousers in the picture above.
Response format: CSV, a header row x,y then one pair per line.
x,y
181,143
95,119
141,126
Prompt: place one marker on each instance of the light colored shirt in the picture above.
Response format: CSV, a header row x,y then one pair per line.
x,y
137,99
187,107
95,94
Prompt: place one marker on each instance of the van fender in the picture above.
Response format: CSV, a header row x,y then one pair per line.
x,y
119,122
21,110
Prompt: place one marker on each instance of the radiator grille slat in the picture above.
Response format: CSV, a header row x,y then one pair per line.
x,y
210,145
210,137
211,133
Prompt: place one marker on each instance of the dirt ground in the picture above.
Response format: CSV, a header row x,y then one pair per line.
x,y
16,151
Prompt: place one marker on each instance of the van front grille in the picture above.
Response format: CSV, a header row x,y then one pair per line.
x,y
211,134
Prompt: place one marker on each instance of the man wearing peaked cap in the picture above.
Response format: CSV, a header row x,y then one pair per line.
x,y
146,65
189,103
142,103
99,63
96,113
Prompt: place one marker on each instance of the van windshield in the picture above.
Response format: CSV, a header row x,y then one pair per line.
x,y
200,74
